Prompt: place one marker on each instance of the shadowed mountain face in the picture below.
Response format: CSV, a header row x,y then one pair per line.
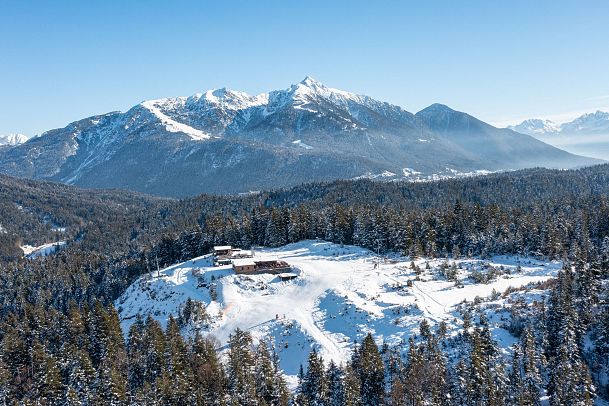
x,y
224,141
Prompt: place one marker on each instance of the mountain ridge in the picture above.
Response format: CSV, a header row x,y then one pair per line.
x,y
226,141
586,124
12,139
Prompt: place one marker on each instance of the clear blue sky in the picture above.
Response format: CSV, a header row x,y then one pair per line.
x,y
499,60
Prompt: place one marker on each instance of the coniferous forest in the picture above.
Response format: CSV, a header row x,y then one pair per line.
x,y
62,343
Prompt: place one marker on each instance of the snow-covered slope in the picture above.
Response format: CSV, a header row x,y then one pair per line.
x,y
12,139
32,252
155,107
225,141
339,296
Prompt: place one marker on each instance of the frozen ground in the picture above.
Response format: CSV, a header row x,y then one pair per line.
x,y
339,296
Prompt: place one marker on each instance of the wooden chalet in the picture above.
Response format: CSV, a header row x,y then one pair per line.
x,y
222,250
244,265
250,266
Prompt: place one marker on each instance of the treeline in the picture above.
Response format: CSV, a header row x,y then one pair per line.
x,y
508,189
562,229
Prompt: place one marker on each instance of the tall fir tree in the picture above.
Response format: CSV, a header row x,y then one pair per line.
x,y
371,374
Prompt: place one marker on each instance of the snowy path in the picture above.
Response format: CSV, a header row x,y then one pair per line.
x,y
433,309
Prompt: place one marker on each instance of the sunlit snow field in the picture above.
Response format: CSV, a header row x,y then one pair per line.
x,y
339,296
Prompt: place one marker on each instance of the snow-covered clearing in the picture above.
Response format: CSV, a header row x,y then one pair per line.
x,y
341,294
42,250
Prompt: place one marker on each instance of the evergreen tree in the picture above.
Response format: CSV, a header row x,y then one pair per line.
x,y
47,382
352,387
314,383
530,368
209,376
80,376
570,382
179,373
516,391
241,379
413,383
136,352
5,378
372,372
336,386
266,383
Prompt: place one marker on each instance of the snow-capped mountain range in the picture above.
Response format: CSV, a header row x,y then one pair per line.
x,y
225,141
586,135
587,124
12,139
536,127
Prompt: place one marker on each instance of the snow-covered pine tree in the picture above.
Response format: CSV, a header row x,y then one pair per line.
x,y
80,376
47,382
336,386
208,373
530,368
352,387
314,383
240,366
372,373
265,375
5,378
178,368
413,382
570,382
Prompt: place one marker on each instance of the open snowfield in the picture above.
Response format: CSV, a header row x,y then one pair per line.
x,y
339,296
32,252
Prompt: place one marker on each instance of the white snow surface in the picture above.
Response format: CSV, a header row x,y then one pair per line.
x,y
339,296
32,252
172,125
302,144
536,127
586,124
12,139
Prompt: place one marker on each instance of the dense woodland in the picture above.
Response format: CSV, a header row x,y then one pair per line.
x,y
61,337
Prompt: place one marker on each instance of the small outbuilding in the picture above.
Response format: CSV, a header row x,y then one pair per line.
x,y
251,266
288,276
221,250
239,253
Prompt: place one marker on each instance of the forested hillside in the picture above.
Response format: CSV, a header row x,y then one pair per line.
x,y
61,337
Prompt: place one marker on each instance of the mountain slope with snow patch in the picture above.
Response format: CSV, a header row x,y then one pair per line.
x,y
12,139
